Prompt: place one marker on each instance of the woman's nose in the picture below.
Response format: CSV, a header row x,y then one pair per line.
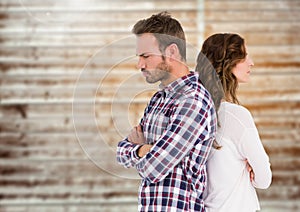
x,y
251,63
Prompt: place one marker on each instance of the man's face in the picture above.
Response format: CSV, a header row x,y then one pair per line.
x,y
151,61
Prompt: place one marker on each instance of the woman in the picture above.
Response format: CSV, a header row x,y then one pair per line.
x,y
222,64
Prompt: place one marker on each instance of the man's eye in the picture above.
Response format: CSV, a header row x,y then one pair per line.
x,y
146,56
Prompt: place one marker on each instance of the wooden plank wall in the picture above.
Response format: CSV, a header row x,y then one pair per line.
x,y
70,63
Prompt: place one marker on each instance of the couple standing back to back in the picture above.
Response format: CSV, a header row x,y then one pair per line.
x,y
188,159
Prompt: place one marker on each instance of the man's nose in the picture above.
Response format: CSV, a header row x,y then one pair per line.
x,y
141,63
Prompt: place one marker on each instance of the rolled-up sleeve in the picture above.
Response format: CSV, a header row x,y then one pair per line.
x,y
127,153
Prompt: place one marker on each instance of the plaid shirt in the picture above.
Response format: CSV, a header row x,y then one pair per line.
x,y
180,122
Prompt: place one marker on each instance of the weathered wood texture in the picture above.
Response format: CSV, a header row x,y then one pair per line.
x,y
70,91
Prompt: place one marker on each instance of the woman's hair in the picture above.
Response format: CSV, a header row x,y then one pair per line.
x,y
220,53
166,30
223,51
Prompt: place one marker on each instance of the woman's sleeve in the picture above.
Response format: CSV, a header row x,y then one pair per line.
x,y
252,149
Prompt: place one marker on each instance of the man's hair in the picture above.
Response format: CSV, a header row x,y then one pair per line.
x,y
166,30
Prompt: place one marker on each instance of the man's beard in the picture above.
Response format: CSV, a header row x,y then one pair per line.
x,y
161,73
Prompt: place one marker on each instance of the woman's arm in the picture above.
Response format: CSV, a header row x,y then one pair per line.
x,y
252,149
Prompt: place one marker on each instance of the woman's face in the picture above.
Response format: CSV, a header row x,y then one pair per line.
x,y
242,70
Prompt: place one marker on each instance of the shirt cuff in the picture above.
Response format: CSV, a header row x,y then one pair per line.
x,y
134,154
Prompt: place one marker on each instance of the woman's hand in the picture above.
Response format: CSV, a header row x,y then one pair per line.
x,y
250,170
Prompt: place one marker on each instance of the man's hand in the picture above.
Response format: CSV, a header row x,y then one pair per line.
x,y
136,135
143,150
250,170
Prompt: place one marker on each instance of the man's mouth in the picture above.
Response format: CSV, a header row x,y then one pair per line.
x,y
145,73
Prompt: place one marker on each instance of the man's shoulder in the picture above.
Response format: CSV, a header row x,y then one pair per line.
x,y
197,94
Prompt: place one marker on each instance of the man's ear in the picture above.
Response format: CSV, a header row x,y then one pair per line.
x,y
172,52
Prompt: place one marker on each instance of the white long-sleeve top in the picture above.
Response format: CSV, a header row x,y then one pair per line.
x,y
228,186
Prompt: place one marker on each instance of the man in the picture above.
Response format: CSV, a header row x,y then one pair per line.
x,y
169,147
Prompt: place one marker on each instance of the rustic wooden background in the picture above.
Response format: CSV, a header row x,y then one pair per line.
x,y
70,91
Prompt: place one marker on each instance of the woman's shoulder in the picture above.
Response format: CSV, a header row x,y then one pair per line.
x,y
234,108
237,111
